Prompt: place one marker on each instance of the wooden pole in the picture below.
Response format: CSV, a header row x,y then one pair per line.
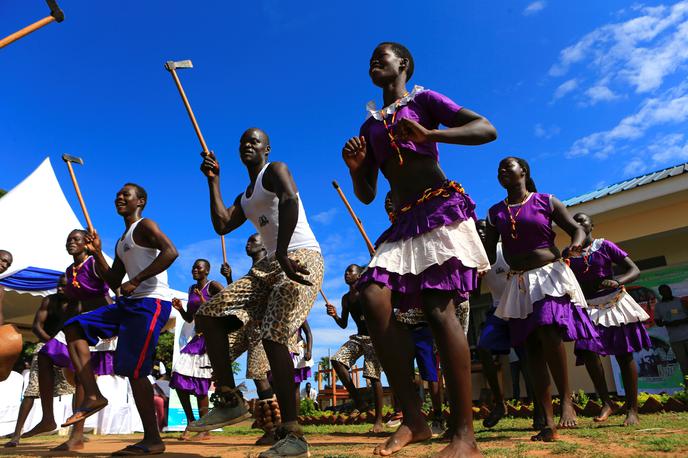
x,y
26,30
224,249
189,110
371,248
333,377
196,127
79,196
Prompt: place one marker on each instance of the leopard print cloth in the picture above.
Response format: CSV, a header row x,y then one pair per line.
x,y
61,387
353,349
265,295
415,316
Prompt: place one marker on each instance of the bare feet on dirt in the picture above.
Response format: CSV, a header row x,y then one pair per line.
x,y
631,418
607,410
41,428
546,435
406,434
568,415
69,446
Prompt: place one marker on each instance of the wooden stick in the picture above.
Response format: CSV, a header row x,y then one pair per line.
x,y
224,249
322,293
79,196
189,111
371,248
26,30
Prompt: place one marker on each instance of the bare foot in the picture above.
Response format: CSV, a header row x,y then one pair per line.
x,y
378,427
186,436
406,434
568,415
607,410
546,435
43,427
495,415
631,418
459,448
203,436
69,446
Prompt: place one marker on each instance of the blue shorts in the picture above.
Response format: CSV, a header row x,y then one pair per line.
x,y
495,335
137,322
425,353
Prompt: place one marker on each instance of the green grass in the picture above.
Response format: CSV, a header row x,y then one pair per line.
x,y
565,448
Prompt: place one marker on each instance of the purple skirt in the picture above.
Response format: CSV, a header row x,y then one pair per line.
x,y
573,322
102,362
196,346
449,207
191,385
615,340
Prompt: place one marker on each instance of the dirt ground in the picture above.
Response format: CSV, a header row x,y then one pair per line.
x,y
661,435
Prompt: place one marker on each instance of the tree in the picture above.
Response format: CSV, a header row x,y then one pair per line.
x,y
236,367
324,363
2,192
165,348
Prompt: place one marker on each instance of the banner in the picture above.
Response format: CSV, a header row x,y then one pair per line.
x,y
658,370
176,418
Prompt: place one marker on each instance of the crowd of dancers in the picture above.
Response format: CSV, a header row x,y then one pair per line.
x,y
410,301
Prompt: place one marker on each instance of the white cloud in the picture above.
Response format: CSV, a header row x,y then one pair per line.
x,y
600,94
640,52
565,87
325,217
541,131
669,150
669,108
534,7
635,167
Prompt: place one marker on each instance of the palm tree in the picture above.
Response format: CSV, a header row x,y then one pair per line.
x,y
324,363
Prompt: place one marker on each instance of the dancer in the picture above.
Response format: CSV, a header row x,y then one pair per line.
x,y
279,290
5,263
302,357
542,301
143,253
617,316
495,340
432,247
191,373
87,291
247,340
672,312
358,345
54,310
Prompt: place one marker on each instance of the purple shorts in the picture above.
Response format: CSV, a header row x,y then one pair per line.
x,y
425,353
137,322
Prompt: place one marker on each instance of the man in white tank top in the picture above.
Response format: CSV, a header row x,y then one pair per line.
x,y
278,291
143,253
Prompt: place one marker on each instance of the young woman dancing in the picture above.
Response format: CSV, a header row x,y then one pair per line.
x,y
432,247
617,317
191,373
542,300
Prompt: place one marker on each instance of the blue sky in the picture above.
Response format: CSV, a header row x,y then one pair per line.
x,y
589,92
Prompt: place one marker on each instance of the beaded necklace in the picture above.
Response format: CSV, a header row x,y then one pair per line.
x,y
388,127
512,218
75,272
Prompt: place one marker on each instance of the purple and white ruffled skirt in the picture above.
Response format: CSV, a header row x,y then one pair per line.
x,y
545,296
102,354
191,372
432,245
618,319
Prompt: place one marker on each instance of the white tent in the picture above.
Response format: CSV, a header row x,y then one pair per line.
x,y
39,248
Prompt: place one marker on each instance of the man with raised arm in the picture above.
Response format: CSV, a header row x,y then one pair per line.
x,y
143,253
278,291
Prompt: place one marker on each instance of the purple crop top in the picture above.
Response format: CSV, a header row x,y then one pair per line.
x,y
428,108
195,300
596,264
88,284
533,224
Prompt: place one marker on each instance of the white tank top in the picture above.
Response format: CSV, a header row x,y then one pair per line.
x,y
262,210
135,259
495,278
